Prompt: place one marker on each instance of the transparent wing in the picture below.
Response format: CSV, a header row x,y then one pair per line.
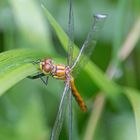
x,y
70,34
70,60
60,115
70,115
90,42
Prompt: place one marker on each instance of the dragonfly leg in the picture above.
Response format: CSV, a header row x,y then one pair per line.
x,y
38,75
45,81
36,61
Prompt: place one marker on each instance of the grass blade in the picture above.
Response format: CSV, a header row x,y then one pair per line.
x,y
134,98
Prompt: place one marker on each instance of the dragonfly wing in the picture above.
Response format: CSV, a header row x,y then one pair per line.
x,y
70,115
90,42
70,34
60,115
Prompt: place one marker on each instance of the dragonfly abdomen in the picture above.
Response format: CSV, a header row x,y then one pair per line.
x,y
77,96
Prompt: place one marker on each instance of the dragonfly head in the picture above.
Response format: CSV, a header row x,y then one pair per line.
x,y
46,65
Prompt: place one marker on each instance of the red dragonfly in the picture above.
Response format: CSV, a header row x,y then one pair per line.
x,y
65,72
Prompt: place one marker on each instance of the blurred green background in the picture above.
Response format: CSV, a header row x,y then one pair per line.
x,y
28,109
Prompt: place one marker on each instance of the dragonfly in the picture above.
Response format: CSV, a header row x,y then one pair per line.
x,y
47,68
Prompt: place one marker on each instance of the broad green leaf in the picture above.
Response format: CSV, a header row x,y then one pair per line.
x,y
17,64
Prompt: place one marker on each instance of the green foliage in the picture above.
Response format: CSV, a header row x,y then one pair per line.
x,y
28,108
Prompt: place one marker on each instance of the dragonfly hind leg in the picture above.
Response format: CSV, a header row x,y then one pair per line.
x,y
45,81
40,75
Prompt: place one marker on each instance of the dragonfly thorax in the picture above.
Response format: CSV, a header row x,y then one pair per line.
x,y
58,71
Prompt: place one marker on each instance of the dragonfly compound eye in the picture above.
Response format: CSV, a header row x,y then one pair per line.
x,y
46,65
48,61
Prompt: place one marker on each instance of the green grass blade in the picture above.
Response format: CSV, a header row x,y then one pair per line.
x,y
134,98
31,24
